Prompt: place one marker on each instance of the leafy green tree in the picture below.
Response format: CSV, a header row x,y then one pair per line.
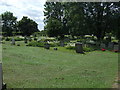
x,y
99,16
54,19
9,23
27,26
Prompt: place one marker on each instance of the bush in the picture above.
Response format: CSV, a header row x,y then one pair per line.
x,y
8,39
18,39
70,47
87,49
36,44
54,44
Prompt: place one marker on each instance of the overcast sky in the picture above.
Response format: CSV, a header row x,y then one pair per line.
x,y
31,8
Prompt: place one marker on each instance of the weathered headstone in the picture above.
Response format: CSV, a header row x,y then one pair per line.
x,y
55,48
25,39
62,43
13,41
47,46
110,45
116,47
102,45
79,47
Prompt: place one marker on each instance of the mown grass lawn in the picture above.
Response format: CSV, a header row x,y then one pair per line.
x,y
35,67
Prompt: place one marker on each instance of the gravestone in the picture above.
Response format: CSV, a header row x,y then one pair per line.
x,y
102,45
79,47
55,48
62,43
110,45
116,47
13,41
47,46
25,39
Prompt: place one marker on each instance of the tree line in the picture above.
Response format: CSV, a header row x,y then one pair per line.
x,y
10,25
82,18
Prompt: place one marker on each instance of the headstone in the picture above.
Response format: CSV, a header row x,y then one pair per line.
x,y
47,46
79,47
110,45
62,43
29,39
55,48
13,41
102,45
116,47
25,39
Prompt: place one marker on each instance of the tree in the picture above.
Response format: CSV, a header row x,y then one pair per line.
x,y
27,26
9,23
54,19
98,18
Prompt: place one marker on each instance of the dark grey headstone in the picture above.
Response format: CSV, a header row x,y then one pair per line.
x,y
102,45
62,43
47,46
116,47
25,39
79,47
110,45
55,48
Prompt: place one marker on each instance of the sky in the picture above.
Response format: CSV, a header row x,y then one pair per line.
x,y
31,8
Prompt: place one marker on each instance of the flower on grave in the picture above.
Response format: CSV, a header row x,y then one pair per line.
x,y
103,49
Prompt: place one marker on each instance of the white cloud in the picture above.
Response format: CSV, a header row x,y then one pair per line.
x,y
31,8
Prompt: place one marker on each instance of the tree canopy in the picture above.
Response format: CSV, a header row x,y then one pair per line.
x,y
27,26
9,23
81,18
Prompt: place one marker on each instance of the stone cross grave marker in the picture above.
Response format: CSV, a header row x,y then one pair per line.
x,y
102,45
79,47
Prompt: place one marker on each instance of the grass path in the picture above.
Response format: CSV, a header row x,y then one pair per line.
x,y
33,67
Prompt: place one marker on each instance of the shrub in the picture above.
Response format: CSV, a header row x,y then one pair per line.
x,y
54,44
70,47
18,39
36,44
87,49
8,39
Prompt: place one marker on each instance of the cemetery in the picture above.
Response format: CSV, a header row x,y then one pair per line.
x,y
78,48
48,64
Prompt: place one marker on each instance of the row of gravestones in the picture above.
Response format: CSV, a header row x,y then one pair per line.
x,y
111,46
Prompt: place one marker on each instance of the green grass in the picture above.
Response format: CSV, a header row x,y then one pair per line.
x,y
34,67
